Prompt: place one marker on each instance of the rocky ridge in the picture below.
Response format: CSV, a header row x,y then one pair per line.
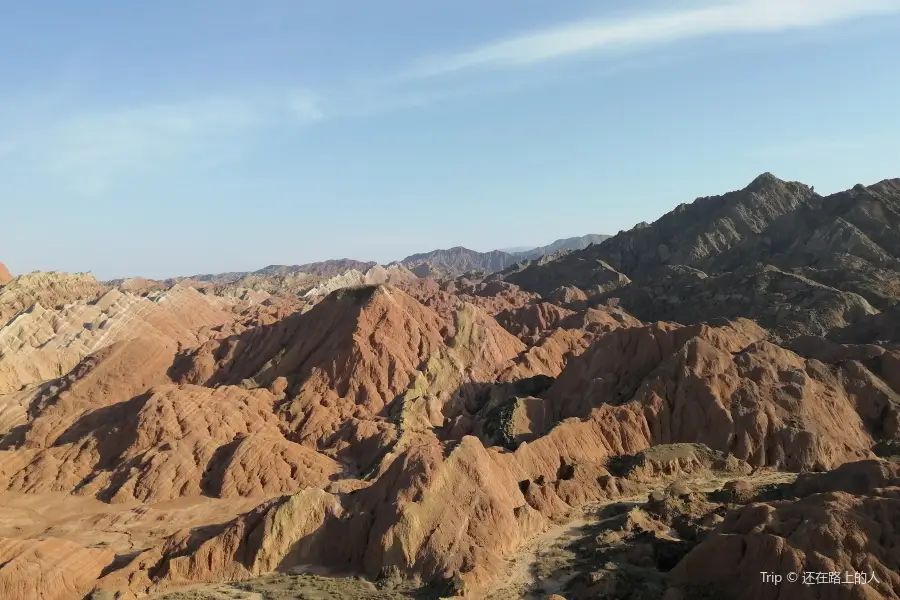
x,y
776,252
459,261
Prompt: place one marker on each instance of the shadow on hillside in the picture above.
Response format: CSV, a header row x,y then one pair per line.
x,y
239,357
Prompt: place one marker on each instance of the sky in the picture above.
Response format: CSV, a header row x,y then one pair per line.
x,y
173,137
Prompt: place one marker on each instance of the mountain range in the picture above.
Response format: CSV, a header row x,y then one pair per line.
x,y
661,415
450,262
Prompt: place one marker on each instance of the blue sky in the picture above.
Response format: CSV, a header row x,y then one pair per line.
x,y
175,137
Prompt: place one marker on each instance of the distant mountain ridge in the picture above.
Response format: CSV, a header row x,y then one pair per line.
x,y
327,268
452,262
572,243
456,261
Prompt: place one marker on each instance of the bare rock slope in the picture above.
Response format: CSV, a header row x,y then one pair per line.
x,y
776,252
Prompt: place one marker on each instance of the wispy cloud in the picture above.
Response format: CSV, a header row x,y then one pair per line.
x,y
306,106
651,29
89,152
93,150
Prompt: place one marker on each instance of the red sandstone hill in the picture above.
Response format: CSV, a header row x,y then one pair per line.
x,y
363,358
728,388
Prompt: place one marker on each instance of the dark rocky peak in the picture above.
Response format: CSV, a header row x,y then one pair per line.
x,y
768,185
763,182
692,234
888,186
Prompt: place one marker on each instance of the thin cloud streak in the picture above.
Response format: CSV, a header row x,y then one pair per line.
x,y
95,149
305,106
90,152
643,30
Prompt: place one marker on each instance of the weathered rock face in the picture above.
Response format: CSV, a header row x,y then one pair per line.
x,y
881,328
278,534
674,460
568,295
775,252
412,521
573,269
5,275
50,290
535,322
531,323
359,364
44,343
857,229
692,234
614,368
116,373
832,530
698,538
49,569
697,233
167,444
785,303
492,296
420,532
393,274
729,389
